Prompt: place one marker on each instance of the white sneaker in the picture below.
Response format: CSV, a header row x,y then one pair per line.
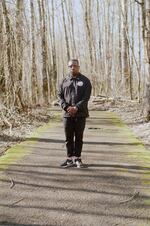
x,y
78,163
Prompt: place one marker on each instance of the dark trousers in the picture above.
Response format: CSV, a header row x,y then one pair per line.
x,y
74,128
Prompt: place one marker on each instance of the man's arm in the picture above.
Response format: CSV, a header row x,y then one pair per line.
x,y
63,103
87,93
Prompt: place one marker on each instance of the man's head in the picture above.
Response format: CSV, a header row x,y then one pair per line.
x,y
74,67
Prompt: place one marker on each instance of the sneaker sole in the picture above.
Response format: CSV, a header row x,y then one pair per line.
x,y
79,166
67,166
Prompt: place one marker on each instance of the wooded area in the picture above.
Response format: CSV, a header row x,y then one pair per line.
x,y
111,39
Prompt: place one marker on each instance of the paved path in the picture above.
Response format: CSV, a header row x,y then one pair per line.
x,y
113,188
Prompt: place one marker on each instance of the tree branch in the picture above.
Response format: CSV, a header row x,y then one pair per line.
x,y
141,3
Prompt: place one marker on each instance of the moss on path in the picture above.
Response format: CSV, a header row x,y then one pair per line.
x,y
113,189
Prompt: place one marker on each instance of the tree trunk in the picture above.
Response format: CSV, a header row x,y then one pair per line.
x,y
100,58
147,55
2,76
88,27
70,17
145,4
19,61
72,29
139,54
54,68
108,50
34,83
87,15
147,102
66,35
125,48
120,52
44,50
146,33
132,15
8,68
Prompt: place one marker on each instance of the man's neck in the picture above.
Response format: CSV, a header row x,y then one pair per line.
x,y
74,75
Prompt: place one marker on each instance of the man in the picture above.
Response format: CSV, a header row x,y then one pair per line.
x,y
74,93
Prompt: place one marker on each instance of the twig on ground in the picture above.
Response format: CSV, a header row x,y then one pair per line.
x,y
16,202
12,184
134,196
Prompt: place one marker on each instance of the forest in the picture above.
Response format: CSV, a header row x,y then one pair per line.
x,y
111,39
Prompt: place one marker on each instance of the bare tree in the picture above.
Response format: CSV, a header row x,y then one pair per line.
x,y
145,6
2,76
125,47
87,17
54,68
104,34
34,82
19,59
65,30
139,53
44,49
8,47
146,34
108,48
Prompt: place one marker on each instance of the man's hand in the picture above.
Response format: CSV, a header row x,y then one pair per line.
x,y
72,110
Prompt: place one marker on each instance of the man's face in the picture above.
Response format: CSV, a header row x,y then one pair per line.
x,y
73,67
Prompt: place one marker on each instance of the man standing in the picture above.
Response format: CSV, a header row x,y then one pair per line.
x,y
74,94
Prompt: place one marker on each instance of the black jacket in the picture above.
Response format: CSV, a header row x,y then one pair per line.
x,y
75,92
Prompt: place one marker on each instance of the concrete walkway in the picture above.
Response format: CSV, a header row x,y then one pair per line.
x,y
113,188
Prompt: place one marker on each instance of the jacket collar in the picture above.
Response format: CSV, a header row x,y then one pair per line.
x,y
74,78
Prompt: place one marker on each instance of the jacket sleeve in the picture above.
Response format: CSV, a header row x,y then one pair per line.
x,y
62,101
87,93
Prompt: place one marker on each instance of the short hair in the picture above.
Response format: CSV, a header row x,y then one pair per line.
x,y
74,60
